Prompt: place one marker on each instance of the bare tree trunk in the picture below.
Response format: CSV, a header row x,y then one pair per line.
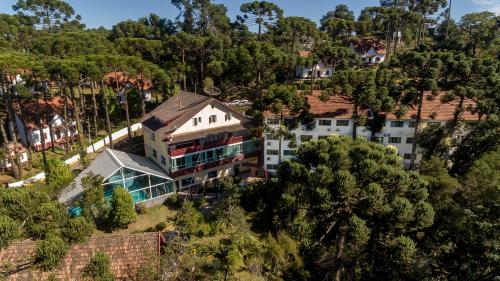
x,y
6,144
81,140
49,122
453,125
42,134
415,132
94,107
12,129
106,113
143,103
127,115
340,252
355,121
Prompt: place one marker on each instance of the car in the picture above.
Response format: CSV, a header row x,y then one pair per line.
x,y
244,102
235,102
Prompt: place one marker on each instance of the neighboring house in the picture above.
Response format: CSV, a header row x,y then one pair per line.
x,y
334,116
21,150
196,138
114,79
371,50
143,179
127,255
28,112
319,70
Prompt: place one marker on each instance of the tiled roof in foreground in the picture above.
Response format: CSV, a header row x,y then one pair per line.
x,y
126,253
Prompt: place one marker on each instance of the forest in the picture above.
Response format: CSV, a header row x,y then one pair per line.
x,y
346,209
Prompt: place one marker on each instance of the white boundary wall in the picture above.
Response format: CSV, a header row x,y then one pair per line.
x,y
90,149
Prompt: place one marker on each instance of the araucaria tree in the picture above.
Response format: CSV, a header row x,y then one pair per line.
x,y
354,208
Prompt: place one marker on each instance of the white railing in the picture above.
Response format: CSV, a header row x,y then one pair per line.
x,y
96,146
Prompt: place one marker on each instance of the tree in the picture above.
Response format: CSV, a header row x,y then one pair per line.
x,y
338,23
122,208
58,174
77,230
420,71
292,31
262,13
50,251
189,221
92,202
98,268
48,14
9,230
480,30
352,204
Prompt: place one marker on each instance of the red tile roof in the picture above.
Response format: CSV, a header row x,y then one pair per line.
x,y
363,45
305,54
122,78
432,108
28,110
126,254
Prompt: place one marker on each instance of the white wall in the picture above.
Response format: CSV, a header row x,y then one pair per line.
x,y
217,110
387,132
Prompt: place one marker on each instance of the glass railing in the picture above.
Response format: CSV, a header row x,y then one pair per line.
x,y
212,155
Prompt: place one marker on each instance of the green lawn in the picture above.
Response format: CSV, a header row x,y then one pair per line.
x,y
145,222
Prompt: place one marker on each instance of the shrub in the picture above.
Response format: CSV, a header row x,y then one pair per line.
x,y
122,208
161,226
77,230
50,252
190,221
9,230
58,174
98,268
173,202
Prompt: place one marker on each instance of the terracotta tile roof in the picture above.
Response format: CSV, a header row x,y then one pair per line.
x,y
363,45
126,253
122,78
28,110
305,54
432,108
177,110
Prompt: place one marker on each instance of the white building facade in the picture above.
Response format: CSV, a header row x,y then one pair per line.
x,y
334,117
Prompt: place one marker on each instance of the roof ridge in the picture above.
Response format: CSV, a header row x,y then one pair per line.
x,y
114,157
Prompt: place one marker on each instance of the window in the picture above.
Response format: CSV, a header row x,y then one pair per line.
x,y
187,181
272,137
394,139
342,123
195,121
306,137
163,161
153,136
379,139
212,119
407,156
434,123
227,117
272,152
212,174
397,124
377,58
309,73
154,153
272,167
289,152
412,124
272,121
409,140
327,72
324,122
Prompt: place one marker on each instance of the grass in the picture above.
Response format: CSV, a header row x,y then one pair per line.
x,y
144,222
